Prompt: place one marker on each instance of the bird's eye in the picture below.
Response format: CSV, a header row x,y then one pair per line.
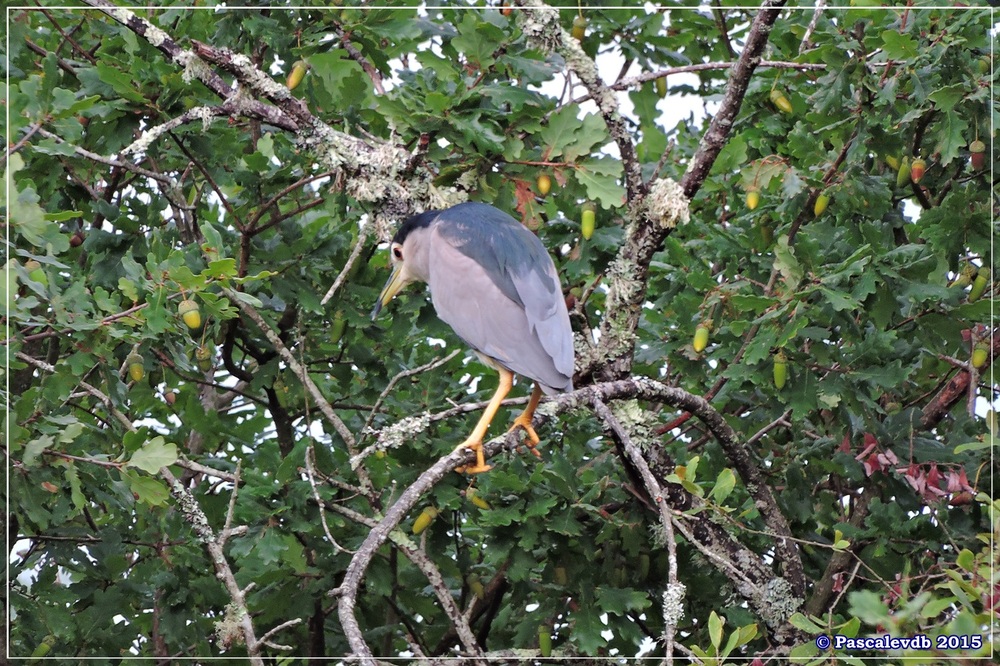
x,y
397,252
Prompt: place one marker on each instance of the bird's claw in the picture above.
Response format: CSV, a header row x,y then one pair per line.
x,y
480,465
525,424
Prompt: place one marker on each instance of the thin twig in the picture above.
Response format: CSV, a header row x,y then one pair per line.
x,y
109,161
807,37
781,420
232,498
430,570
207,471
311,475
437,362
303,374
349,264
284,625
194,514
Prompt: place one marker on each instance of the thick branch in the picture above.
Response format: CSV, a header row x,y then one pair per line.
x,y
541,25
956,389
754,580
627,290
169,47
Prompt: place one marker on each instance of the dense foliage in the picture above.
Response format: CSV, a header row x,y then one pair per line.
x,y
833,293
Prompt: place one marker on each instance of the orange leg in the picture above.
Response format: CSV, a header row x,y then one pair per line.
x,y
475,440
524,420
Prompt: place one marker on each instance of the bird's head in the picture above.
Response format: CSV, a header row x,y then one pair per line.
x,y
408,256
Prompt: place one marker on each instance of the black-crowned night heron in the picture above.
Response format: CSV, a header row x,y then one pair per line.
x,y
492,281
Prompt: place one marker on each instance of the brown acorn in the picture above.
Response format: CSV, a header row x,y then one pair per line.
x,y
977,156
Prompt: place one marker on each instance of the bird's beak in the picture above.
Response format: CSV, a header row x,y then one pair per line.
x,y
392,287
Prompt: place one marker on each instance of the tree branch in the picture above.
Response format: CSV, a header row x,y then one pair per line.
x,y
303,374
199,522
956,389
630,270
754,581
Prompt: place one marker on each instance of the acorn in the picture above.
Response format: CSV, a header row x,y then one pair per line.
x,y
661,87
298,73
903,175
822,201
338,328
190,313
980,353
701,336
579,28
892,161
753,198
979,284
544,641
544,184
203,354
475,585
917,170
977,157
588,220
966,275
36,272
779,100
135,368
424,520
780,370
170,397
474,497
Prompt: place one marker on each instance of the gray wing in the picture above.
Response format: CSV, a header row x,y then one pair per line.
x,y
512,311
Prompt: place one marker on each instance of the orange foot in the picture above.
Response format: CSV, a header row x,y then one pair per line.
x,y
524,422
480,465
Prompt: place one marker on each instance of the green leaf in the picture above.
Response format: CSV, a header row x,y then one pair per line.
x,y
565,523
120,82
221,268
34,448
946,97
803,652
75,487
587,628
715,630
898,46
128,288
149,490
620,601
155,454
868,606
724,485
601,179
966,560
950,133
935,607
786,263
213,240
803,623
839,300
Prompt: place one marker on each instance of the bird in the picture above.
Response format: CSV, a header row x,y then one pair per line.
x,y
493,282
